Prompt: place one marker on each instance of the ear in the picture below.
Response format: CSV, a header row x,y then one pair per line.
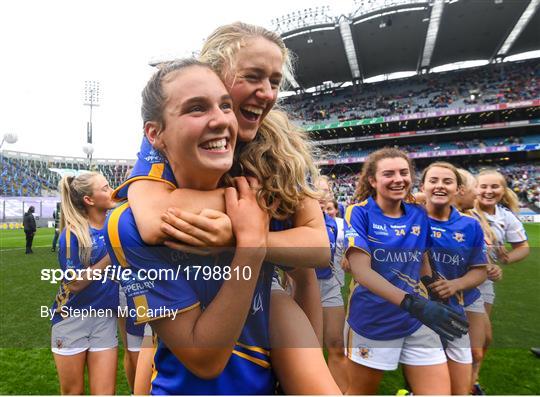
x,y
153,132
372,182
88,201
422,187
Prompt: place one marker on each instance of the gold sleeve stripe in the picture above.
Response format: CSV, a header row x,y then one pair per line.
x,y
348,213
255,349
258,361
112,230
68,243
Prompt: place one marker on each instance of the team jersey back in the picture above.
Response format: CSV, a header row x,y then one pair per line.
x,y
98,294
457,246
331,230
248,371
396,247
150,165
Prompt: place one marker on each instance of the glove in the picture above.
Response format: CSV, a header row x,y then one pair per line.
x,y
440,318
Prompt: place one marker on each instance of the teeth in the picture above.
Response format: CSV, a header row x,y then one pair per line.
x,y
253,109
217,144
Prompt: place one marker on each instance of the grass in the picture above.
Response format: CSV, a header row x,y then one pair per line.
x,y
27,367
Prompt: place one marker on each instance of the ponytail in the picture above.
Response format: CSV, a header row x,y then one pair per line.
x,y
73,212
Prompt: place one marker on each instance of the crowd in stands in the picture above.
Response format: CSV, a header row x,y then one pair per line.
x,y
23,177
31,177
332,153
523,178
492,84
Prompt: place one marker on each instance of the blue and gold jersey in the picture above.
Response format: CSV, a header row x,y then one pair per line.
x,y
150,165
98,294
457,245
396,247
331,229
248,370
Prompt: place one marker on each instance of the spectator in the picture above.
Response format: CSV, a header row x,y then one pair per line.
x,y
29,223
56,216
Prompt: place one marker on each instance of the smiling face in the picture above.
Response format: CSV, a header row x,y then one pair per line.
x,y
200,127
253,83
490,190
331,209
392,179
440,186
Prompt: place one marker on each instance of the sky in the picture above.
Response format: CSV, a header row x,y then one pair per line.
x,y
49,48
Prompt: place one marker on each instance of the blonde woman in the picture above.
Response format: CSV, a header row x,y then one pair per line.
x,y
499,205
79,342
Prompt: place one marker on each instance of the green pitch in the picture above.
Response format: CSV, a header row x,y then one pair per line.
x,y
27,367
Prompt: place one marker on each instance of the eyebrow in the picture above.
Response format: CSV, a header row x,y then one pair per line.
x,y
195,99
260,70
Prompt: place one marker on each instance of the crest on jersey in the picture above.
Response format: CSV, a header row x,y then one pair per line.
x,y
416,230
459,237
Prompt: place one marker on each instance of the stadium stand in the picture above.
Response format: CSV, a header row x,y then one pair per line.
x,y
40,176
491,84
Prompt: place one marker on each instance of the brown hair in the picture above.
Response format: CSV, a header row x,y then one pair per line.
x,y
153,95
369,169
443,164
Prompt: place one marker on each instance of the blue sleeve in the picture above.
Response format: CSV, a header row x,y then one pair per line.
x,y
356,229
150,165
68,251
149,295
479,249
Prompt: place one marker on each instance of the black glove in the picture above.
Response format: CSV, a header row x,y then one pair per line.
x,y
439,317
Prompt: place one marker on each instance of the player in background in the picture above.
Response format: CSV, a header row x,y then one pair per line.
x,y
332,209
458,259
253,63
386,242
91,341
500,205
331,298
479,322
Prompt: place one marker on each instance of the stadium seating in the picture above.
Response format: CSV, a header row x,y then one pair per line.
x,y
490,85
30,178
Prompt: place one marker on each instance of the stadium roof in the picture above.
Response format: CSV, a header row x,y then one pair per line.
x,y
389,36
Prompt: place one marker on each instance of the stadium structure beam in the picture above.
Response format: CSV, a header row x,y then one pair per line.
x,y
518,28
432,32
350,52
